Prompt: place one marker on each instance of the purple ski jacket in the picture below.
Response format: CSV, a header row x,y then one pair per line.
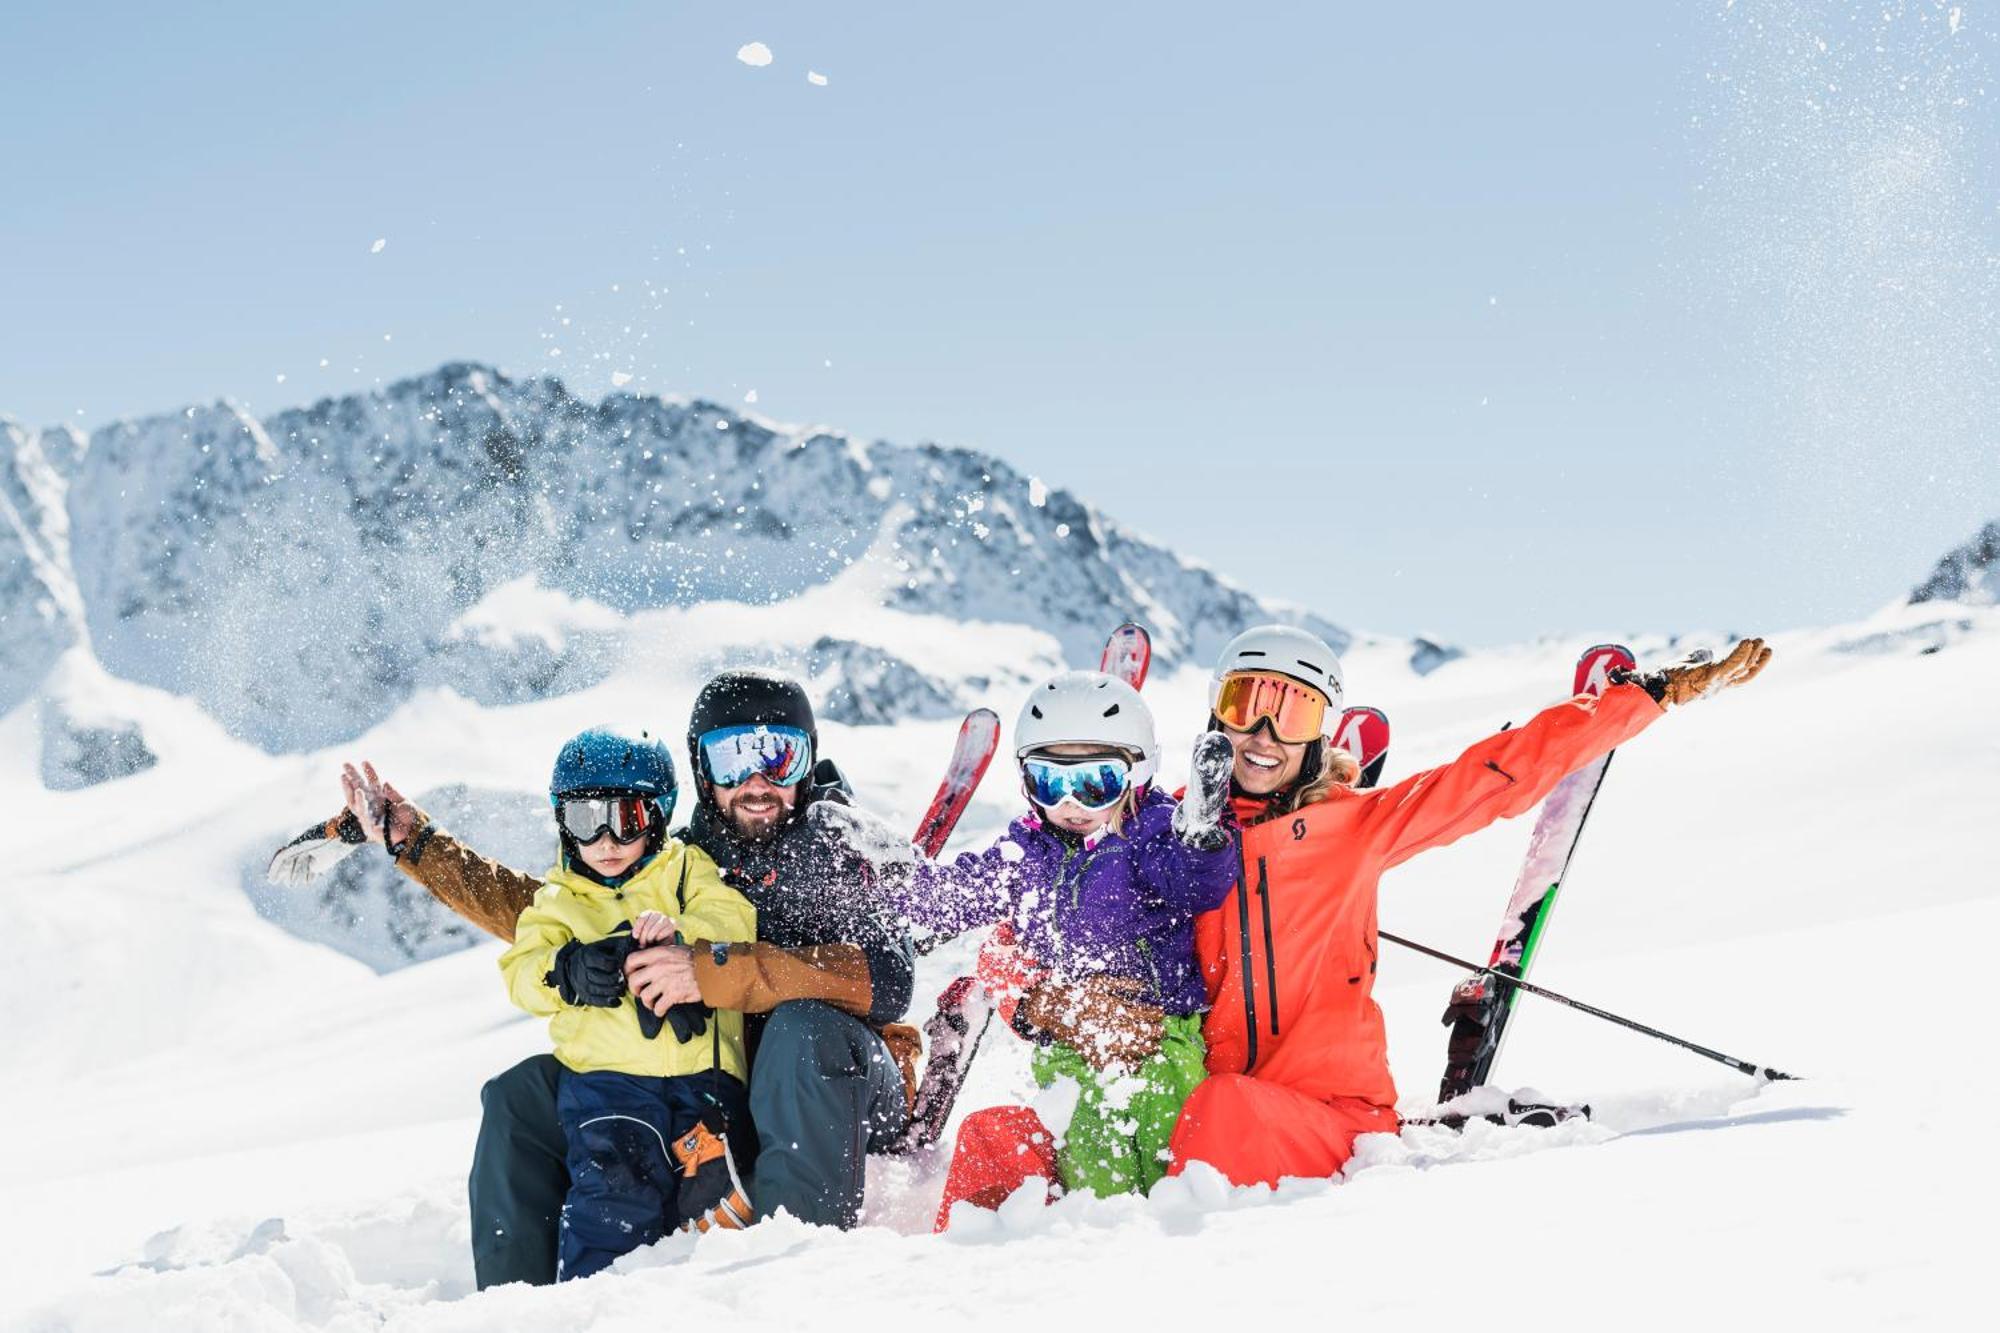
x,y
1123,905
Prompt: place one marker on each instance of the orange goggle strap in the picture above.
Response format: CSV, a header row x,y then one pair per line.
x,y
1295,710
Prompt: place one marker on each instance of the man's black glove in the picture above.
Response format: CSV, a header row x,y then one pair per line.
x,y
591,974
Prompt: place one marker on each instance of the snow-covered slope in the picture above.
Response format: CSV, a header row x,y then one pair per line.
x,y
303,575
1801,874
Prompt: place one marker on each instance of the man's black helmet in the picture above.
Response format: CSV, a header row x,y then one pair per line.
x,y
749,698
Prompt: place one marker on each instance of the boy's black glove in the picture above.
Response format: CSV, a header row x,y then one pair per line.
x,y
689,1019
591,974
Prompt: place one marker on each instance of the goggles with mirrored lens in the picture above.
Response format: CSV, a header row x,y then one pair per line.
x,y
1295,710
625,817
1094,783
731,756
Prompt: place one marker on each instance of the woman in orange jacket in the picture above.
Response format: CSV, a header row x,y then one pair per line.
x,y
1297,1057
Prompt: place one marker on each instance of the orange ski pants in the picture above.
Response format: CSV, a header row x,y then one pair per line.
x,y
1255,1132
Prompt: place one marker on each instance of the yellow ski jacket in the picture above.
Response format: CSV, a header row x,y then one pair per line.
x,y
682,882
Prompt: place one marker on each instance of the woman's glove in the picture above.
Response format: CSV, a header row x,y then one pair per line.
x,y
1198,818
1698,675
591,974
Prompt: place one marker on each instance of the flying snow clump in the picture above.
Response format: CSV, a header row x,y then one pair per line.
x,y
818,80
754,53
620,378
376,248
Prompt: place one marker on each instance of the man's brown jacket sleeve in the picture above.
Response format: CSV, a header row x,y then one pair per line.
x,y
757,978
483,891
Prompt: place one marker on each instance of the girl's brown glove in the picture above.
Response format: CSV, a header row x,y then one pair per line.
x,y
1100,1018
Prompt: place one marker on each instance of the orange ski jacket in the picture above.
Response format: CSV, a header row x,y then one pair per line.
x,y
1289,957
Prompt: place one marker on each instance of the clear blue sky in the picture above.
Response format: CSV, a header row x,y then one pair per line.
x,y
1480,320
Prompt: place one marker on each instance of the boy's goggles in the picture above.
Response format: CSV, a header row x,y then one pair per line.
x,y
1093,783
626,818
731,756
1295,710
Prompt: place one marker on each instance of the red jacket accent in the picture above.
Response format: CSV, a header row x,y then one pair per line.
x,y
1289,957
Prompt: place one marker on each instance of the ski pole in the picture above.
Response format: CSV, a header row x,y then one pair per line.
x,y
1740,1066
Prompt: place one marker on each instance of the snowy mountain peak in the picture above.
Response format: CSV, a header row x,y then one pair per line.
x,y
301,575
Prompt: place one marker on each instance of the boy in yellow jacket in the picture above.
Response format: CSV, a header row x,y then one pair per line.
x,y
646,1102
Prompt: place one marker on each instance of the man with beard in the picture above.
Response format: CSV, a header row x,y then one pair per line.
x,y
821,988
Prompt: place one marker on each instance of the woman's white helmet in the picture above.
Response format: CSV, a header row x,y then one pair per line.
x,y
1089,708
1289,651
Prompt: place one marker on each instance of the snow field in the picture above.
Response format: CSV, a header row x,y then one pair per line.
x,y
268,1135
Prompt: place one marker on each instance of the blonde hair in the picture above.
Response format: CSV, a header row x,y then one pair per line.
x,y
1337,768
1124,808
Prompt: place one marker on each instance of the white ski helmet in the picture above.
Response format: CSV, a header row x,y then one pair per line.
x,y
1289,651
1089,708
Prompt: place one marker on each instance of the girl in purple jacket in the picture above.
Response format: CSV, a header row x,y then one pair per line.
x,y
1103,877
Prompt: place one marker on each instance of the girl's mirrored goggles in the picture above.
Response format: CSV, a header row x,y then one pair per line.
x,y
1296,711
731,756
1094,784
587,818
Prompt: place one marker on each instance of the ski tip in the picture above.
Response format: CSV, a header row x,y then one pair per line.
x,y
1128,654
1594,667
1364,733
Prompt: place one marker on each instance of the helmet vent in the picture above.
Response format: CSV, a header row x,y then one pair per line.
x,y
1111,711
1253,652
1313,667
1036,711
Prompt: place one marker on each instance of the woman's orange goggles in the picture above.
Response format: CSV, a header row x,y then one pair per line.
x,y
1296,711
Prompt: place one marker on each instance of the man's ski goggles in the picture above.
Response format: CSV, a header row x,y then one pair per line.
x,y
588,818
1295,710
1094,783
731,756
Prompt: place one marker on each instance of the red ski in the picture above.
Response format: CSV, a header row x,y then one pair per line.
x,y
1480,1005
978,739
1364,733
1128,654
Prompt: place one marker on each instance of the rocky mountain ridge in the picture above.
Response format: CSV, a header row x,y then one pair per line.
x,y
1969,573
301,575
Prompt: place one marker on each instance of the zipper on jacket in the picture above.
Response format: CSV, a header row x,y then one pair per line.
x,y
1146,952
1249,976
1076,881
1270,954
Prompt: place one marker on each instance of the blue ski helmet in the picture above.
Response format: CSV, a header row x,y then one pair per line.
x,y
601,759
